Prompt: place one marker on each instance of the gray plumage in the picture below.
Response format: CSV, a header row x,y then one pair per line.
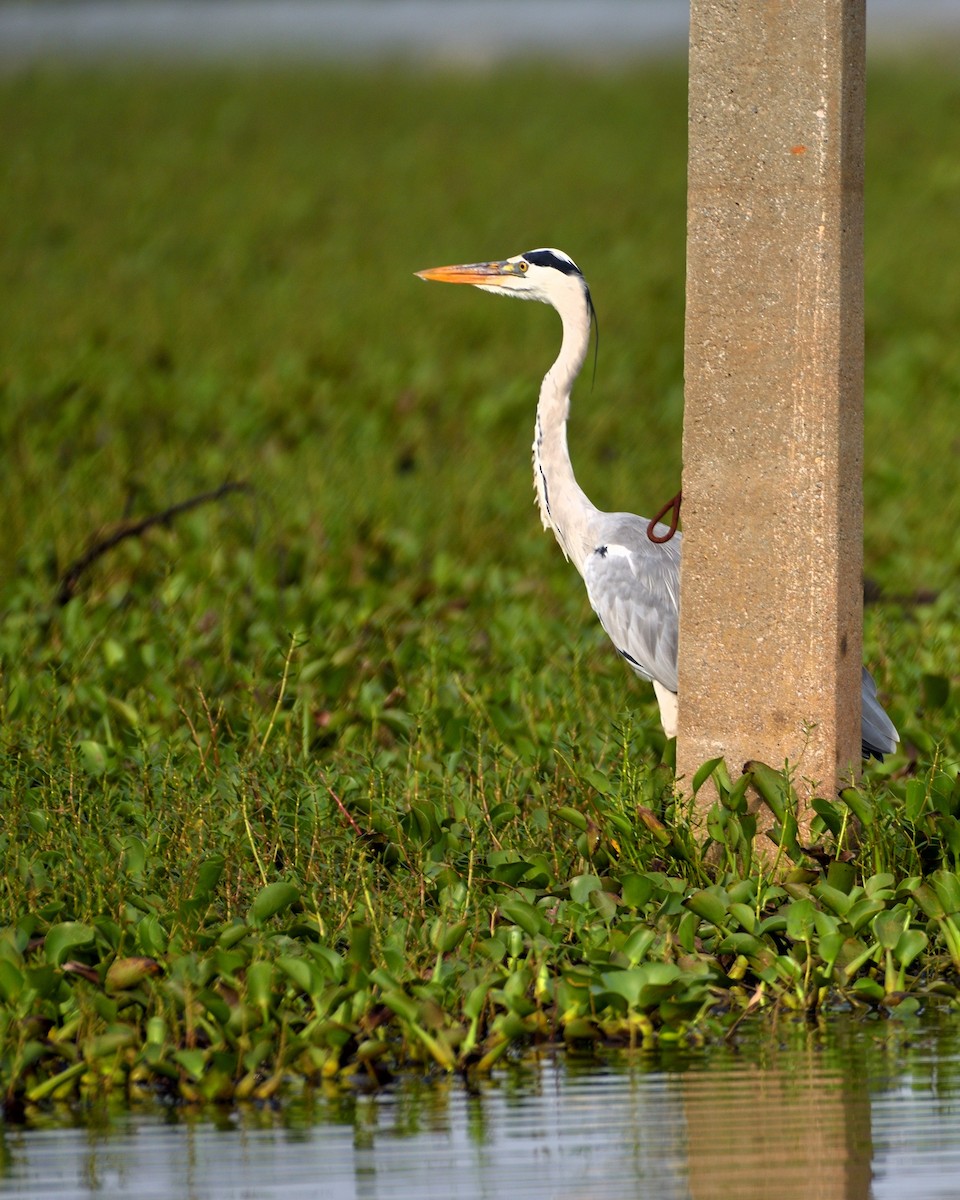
x,y
633,583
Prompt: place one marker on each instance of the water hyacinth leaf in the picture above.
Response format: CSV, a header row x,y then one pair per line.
x,y
948,829
914,799
869,989
861,807
105,1044
151,936
837,901
361,940
745,916
879,887
192,1061
43,980
703,773
652,822
947,886
530,919
307,979
830,945
272,900
887,929
637,944
629,984
842,876
126,712
573,817
599,782
12,981
709,903
95,757
450,937
63,938
929,901
208,876
511,873
156,1031
636,890
604,903
800,920
581,886
827,811
774,788
936,690
125,973
910,944
474,1004
134,856
260,984
863,911
748,944
328,960
37,821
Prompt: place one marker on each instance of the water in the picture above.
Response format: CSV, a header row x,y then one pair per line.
x,y
863,1111
462,31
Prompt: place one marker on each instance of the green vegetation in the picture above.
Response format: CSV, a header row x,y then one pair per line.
x,y
335,773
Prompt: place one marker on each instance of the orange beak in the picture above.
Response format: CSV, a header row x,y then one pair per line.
x,y
476,273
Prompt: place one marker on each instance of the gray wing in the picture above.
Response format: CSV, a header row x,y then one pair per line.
x,y
634,588
878,732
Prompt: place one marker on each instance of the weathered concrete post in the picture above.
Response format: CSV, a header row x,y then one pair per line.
x,y
771,599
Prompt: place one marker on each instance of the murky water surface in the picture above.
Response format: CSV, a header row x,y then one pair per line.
x,y
864,1111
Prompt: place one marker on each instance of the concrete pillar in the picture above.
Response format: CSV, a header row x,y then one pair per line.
x,y
771,600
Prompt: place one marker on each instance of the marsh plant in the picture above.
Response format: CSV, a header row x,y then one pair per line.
x,y
330,775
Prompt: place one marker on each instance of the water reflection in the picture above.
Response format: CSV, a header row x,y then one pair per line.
x,y
859,1111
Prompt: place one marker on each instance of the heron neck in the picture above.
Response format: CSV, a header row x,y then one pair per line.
x,y
564,507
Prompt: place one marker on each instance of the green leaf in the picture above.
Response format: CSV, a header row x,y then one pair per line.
x,y
151,936
888,928
581,886
605,903
519,912
911,943
208,876
709,903
636,890
275,898
703,773
95,757
304,977
192,1061
947,886
929,901
11,981
862,911
64,938
638,943
573,817
859,805
800,916
842,876
260,984
936,690
838,902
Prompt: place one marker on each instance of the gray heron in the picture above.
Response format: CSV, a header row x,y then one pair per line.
x,y
633,582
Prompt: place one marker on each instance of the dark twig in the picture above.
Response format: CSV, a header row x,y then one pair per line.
x,y
70,578
670,506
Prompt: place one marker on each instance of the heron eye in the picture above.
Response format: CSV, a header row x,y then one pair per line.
x,y
523,265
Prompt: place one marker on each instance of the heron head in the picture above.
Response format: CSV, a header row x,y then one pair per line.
x,y
545,274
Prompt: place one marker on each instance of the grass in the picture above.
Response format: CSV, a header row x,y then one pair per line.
x,y
336,775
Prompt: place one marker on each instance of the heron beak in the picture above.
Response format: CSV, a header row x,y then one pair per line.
x,y
486,274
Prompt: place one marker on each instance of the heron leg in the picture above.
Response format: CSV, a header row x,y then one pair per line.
x,y
668,709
